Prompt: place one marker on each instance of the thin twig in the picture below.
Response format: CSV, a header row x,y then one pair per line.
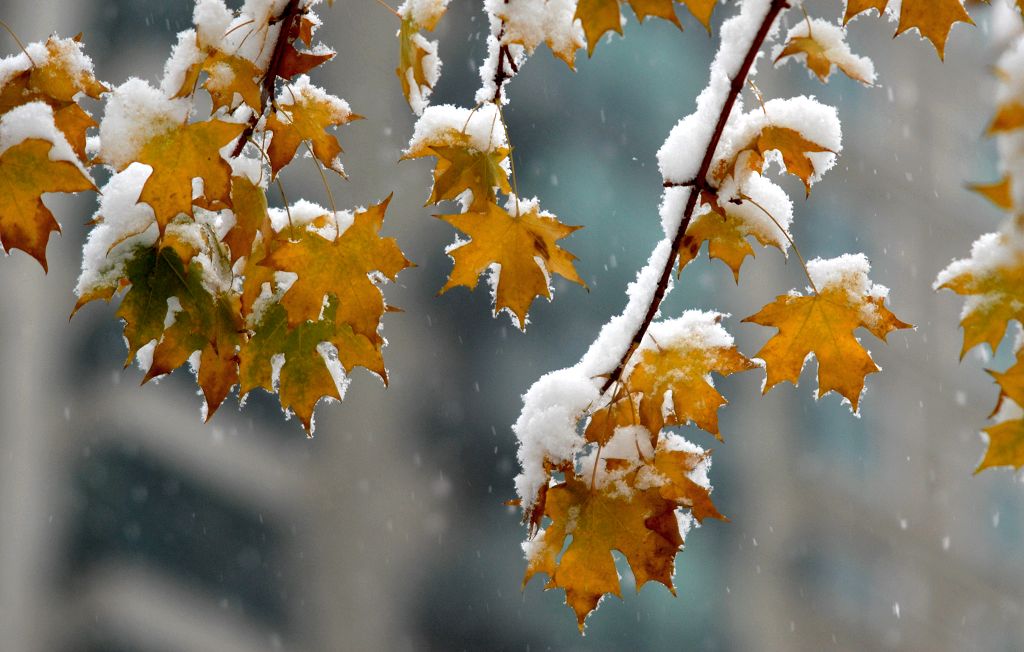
x,y
287,18
18,40
698,182
796,249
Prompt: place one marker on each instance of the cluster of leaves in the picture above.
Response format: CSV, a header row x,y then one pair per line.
x,y
602,502
287,300
42,146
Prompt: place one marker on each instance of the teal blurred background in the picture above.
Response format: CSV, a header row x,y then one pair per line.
x,y
128,525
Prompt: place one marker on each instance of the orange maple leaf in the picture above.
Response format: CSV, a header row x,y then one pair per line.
x,y
823,324
306,118
26,172
514,243
638,522
181,154
1006,438
934,19
340,268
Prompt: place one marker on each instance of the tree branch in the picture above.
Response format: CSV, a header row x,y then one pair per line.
x,y
287,19
699,182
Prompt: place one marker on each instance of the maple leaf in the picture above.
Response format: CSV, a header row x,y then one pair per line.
x,y
461,167
993,281
999,193
1006,438
249,205
306,118
823,324
597,18
670,382
601,16
154,275
208,324
789,143
229,74
341,268
638,522
26,172
413,50
514,243
702,10
683,367
934,19
520,29
304,377
821,57
181,154
1009,117
57,81
726,230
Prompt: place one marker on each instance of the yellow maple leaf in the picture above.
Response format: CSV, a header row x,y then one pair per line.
x,y
514,243
461,167
683,368
229,74
1008,117
57,81
26,172
306,118
819,58
413,49
995,291
1006,438
726,230
702,10
790,143
999,193
342,268
933,19
181,154
304,377
823,323
249,205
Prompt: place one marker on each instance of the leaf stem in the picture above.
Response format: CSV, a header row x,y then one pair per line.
x,y
736,85
796,250
18,41
390,8
286,19
511,160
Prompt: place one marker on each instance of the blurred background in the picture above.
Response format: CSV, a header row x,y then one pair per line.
x,y
127,525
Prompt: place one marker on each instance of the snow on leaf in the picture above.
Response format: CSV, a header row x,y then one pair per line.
x,y
823,323
306,117
461,167
823,46
992,279
515,243
789,143
634,515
